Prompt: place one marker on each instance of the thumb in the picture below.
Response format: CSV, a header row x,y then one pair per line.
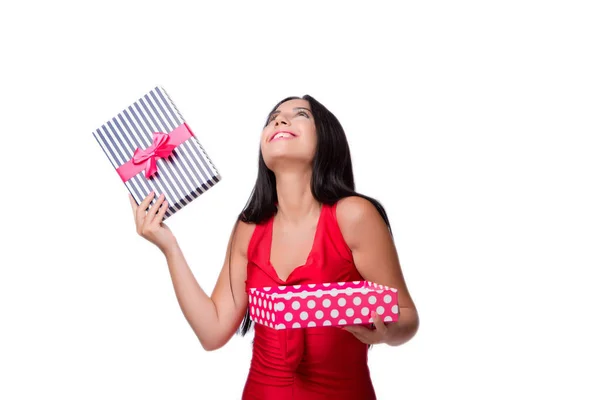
x,y
132,202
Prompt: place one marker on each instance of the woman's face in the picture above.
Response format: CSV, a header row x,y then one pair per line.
x,y
290,135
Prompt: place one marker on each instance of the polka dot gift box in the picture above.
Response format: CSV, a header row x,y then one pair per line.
x,y
326,304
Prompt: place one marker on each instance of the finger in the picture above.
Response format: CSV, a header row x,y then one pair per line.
x,y
357,329
134,205
378,322
152,212
146,202
140,212
161,211
361,333
365,338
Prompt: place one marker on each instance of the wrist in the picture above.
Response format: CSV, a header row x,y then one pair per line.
x,y
170,249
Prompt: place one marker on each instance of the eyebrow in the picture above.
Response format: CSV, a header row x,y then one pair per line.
x,y
295,109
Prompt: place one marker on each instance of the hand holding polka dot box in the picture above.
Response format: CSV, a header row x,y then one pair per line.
x,y
325,304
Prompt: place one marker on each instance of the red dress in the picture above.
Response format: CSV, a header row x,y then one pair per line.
x,y
306,363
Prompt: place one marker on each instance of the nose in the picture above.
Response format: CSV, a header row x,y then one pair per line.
x,y
281,119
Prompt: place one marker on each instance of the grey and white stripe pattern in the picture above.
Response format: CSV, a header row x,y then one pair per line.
x,y
182,177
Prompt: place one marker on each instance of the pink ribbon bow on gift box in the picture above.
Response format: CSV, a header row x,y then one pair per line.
x,y
162,147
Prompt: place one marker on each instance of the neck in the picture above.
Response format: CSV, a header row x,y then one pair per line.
x,y
294,197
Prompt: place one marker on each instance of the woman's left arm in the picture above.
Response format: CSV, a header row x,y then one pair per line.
x,y
376,259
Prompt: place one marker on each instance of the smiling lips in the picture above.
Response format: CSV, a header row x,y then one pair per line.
x,y
279,135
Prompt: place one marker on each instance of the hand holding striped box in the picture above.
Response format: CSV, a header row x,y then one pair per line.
x,y
153,149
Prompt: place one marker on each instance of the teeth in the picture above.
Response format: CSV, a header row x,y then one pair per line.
x,y
281,135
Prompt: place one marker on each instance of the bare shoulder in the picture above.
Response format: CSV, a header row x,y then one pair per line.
x,y
353,210
355,214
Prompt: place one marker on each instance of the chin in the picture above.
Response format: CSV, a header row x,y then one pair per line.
x,y
286,159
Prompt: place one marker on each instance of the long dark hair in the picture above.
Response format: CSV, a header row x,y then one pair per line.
x,y
332,177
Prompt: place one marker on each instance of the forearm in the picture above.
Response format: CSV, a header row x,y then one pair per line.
x,y
197,307
405,328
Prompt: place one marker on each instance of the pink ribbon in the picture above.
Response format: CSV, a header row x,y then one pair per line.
x,y
162,146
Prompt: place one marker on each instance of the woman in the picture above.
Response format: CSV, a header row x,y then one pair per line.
x,y
304,223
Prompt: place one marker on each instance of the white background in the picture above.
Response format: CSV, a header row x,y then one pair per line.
x,y
474,123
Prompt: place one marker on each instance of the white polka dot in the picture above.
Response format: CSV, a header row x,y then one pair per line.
x,y
319,314
266,289
296,325
357,301
282,288
260,302
326,303
303,315
334,313
395,309
252,310
388,319
387,298
326,323
371,320
342,322
326,284
364,291
365,311
268,315
319,293
303,294
296,305
380,310
311,304
273,317
357,321
312,324
349,291
288,316
349,312
356,282
270,305
270,325
287,296
281,326
341,302
296,286
279,306
311,285
341,283
262,313
372,299
333,292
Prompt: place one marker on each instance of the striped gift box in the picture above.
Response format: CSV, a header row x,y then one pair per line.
x,y
182,176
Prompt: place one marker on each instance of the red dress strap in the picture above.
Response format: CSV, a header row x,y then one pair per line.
x,y
336,234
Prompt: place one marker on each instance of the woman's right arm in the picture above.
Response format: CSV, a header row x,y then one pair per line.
x,y
215,318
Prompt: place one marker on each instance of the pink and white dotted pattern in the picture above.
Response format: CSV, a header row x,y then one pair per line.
x,y
326,304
